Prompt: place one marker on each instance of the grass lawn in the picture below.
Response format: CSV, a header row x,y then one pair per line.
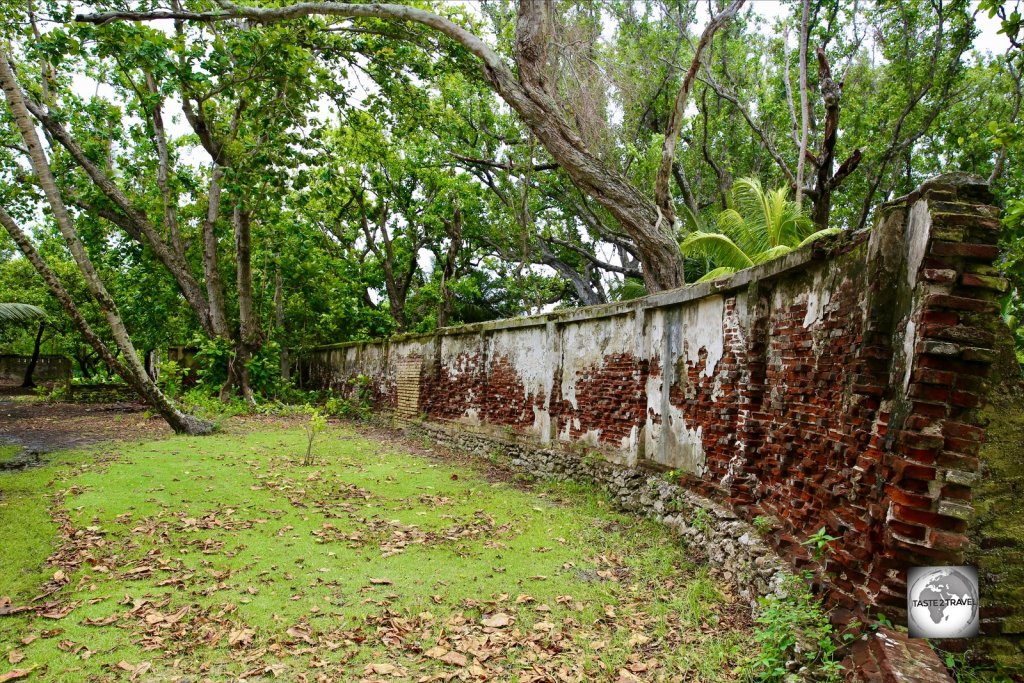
x,y
223,558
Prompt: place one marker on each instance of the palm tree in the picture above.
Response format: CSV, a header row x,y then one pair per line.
x,y
20,313
758,227
26,313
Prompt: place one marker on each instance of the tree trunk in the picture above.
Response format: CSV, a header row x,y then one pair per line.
x,y
134,222
454,230
132,370
211,269
248,326
286,369
805,114
30,370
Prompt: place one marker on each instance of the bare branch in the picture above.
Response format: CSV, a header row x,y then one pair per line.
x,y
507,166
805,113
662,193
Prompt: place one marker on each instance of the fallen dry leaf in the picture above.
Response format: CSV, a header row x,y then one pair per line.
x,y
499,620
241,637
16,674
454,658
381,582
15,656
383,669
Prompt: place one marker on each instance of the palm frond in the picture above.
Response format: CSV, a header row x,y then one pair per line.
x,y
773,253
827,232
750,202
721,250
20,313
692,222
716,273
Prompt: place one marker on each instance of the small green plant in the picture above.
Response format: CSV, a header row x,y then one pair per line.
x,y
963,671
763,525
701,520
819,542
793,632
356,401
880,621
317,424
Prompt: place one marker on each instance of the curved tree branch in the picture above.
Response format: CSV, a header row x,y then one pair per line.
x,y
662,193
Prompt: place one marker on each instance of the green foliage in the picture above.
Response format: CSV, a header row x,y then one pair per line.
x,y
793,627
200,402
964,671
758,226
212,360
170,377
12,313
701,520
354,403
763,525
820,544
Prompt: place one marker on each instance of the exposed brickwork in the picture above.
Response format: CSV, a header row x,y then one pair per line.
x,y
611,400
456,388
503,398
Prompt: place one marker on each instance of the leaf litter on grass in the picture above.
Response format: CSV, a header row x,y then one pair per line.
x,y
223,559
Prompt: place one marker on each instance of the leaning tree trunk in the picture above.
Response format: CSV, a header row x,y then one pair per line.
x,y
179,422
30,370
132,370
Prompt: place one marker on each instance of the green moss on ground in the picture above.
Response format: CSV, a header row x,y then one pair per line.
x,y
8,453
222,556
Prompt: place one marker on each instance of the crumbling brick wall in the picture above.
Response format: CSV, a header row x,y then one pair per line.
x,y
837,387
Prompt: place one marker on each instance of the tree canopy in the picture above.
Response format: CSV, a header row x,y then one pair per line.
x,y
252,179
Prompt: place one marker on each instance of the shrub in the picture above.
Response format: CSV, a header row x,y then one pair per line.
x,y
170,377
794,633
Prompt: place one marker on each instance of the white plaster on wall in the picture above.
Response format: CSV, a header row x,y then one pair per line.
x,y
685,447
818,299
525,348
585,345
918,231
703,329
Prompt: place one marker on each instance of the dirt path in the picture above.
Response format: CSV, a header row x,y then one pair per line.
x,y
38,426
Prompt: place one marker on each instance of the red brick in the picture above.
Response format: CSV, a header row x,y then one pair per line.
x,y
947,540
940,317
985,252
960,303
928,519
